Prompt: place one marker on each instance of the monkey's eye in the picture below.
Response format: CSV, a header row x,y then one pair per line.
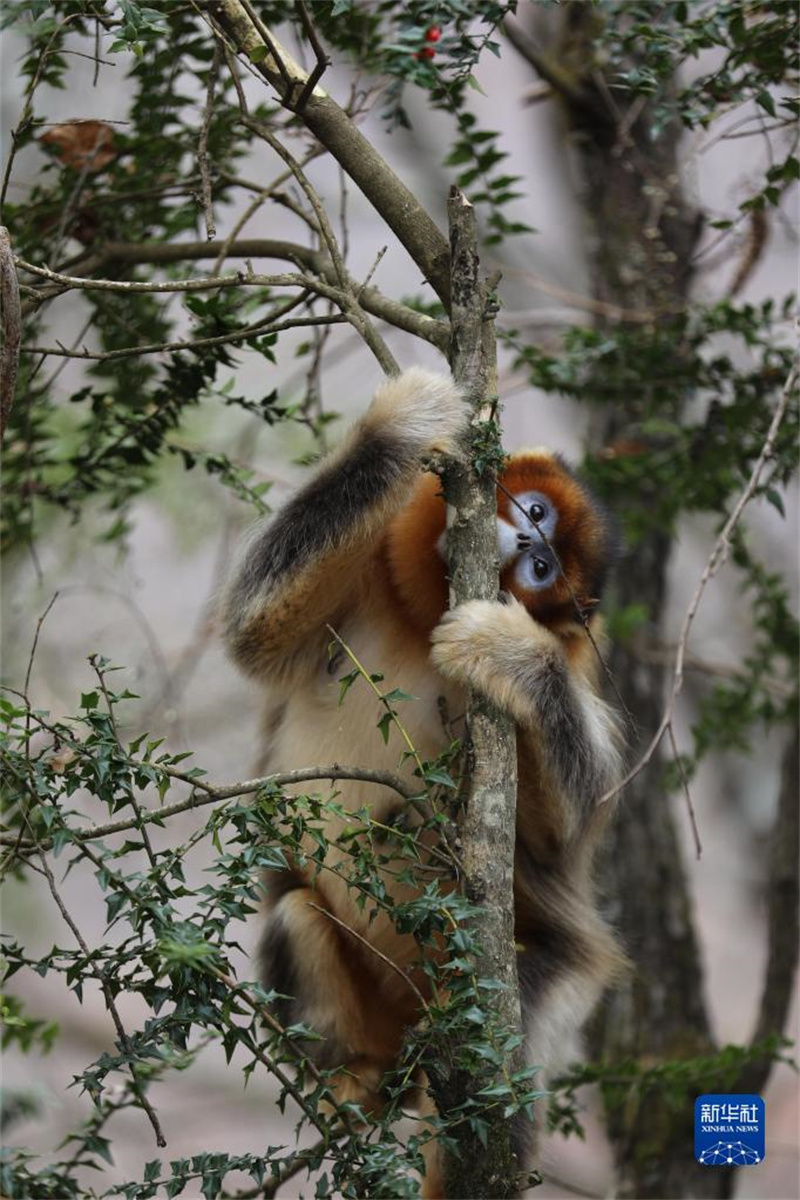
x,y
537,513
541,567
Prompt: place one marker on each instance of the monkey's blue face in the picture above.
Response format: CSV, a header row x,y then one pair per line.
x,y
526,536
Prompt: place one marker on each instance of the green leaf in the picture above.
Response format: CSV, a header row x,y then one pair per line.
x,y
438,775
345,683
776,500
152,1170
765,100
100,1145
398,694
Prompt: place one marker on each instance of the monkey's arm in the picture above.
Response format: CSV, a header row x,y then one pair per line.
x,y
305,566
499,650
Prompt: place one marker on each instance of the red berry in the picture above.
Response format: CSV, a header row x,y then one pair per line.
x,y
426,52
433,34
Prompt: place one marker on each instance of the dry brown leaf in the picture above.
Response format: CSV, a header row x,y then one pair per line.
x,y
84,145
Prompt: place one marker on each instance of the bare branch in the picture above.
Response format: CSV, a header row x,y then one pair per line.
x,y
338,133
292,1166
274,1024
698,845
159,254
202,148
345,299
265,133
209,284
256,329
349,301
600,308
262,194
10,328
663,654
101,679
322,61
27,112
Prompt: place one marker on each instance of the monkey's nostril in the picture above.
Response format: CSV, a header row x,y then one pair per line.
x,y
523,539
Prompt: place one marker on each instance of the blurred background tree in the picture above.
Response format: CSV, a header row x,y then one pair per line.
x,y
157,387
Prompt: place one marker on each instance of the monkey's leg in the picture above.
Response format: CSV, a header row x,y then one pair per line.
x,y
325,984
432,1181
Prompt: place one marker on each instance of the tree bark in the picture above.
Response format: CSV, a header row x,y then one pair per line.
x,y
489,816
643,232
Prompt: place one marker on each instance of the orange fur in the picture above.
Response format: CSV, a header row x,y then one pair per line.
x,y
418,571
416,567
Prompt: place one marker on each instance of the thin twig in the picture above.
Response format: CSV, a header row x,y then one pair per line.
x,y
344,298
10,328
322,60
125,1041
365,675
311,260
285,65
371,271
601,308
17,841
202,147
311,1110
338,132
97,59
715,560
101,679
698,845
291,1167
265,133
35,644
212,795
26,116
264,194
347,297
239,279
373,950
663,654
256,329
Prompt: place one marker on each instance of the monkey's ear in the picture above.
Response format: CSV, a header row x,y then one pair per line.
x,y
587,605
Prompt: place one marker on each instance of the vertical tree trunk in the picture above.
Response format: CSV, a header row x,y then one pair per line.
x,y
487,1172
643,232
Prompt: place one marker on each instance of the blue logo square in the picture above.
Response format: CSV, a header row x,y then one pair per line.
x,y
729,1130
